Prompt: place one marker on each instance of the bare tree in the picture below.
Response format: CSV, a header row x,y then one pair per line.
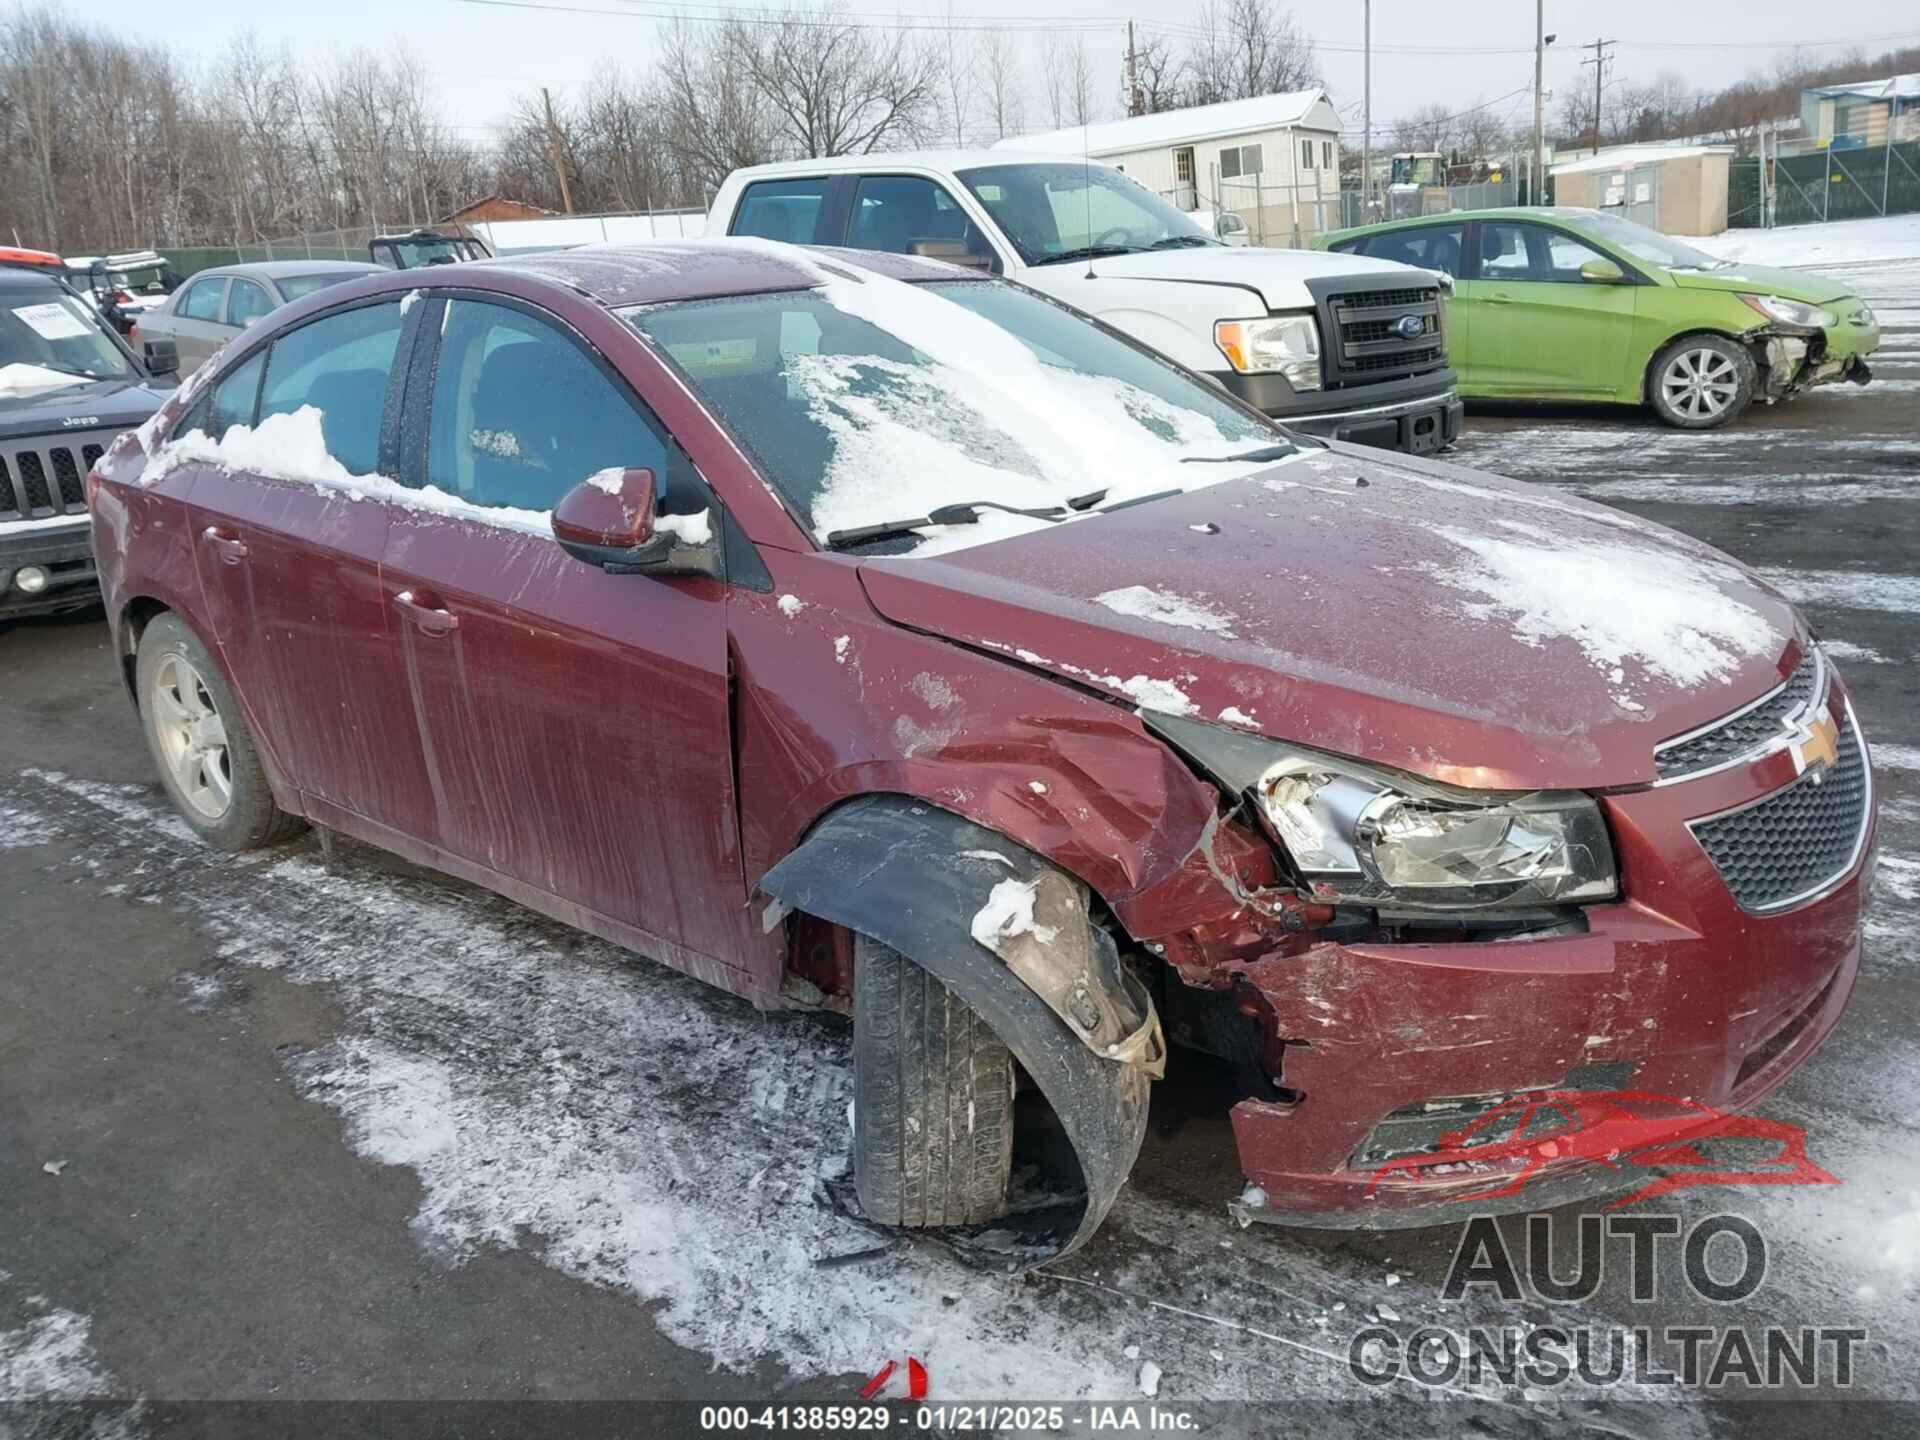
x,y
838,87
1002,92
1160,73
1246,48
717,117
959,76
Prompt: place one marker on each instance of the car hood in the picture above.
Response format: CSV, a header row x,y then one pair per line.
x,y
1801,285
91,405
1275,275
1476,630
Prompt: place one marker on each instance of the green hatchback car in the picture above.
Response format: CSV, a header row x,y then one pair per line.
x,y
1560,304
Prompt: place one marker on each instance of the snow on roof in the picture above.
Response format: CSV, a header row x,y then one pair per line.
x,y
1905,87
1622,157
1175,127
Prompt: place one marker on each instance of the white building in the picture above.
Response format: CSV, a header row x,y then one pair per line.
x,y
1274,159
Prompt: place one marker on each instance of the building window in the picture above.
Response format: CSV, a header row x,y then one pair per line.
x,y
1239,160
1306,155
1326,154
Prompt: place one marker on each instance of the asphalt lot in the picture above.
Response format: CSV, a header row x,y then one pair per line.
x,y
334,1128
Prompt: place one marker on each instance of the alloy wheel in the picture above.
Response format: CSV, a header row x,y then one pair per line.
x,y
193,738
1700,384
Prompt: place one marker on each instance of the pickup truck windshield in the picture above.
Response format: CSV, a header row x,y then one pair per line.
x,y
49,340
865,400
1055,213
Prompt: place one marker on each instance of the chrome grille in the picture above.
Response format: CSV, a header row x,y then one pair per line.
x,y
1364,341
46,474
1747,731
1793,844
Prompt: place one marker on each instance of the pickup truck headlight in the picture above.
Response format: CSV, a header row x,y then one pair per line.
x,y
1365,835
1287,345
1792,312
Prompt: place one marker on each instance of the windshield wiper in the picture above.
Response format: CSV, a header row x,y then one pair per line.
x,y
964,513
1175,242
1263,452
1086,252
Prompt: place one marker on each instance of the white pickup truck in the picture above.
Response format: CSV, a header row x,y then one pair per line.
x,y
1337,346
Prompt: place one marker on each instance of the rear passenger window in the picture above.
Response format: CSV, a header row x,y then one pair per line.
x,y
1432,247
780,210
522,414
339,365
246,302
234,398
203,298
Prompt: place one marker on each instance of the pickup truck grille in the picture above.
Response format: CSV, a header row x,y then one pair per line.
x,y
1365,339
46,475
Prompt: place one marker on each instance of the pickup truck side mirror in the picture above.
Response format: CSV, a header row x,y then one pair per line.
x,y
1603,272
954,252
162,357
608,520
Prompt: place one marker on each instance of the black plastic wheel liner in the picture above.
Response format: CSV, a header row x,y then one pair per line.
x,y
899,870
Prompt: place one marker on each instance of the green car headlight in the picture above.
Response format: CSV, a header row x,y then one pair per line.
x,y
1366,835
1792,312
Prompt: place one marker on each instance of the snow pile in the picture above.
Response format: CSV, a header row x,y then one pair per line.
x,y
1008,913
1165,608
1620,603
1837,242
20,378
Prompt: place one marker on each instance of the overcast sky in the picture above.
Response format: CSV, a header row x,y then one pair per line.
x,y
483,51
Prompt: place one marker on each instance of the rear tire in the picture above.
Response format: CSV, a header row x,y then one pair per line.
x,y
1700,382
200,743
933,1098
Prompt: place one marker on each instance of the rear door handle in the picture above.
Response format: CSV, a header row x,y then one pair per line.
x,y
426,612
228,546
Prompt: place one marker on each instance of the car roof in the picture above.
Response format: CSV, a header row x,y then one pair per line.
x,y
911,160
655,273
19,280
1567,214
285,269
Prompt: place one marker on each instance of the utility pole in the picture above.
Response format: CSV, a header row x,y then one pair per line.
x,y
1535,188
1599,63
1136,105
553,146
1366,122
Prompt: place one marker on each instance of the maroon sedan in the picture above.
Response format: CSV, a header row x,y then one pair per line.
x,y
858,633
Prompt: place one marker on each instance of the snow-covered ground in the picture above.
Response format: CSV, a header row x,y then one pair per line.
x,y
1838,242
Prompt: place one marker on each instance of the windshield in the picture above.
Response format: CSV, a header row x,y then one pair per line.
x,y
866,401
1648,245
1061,212
49,340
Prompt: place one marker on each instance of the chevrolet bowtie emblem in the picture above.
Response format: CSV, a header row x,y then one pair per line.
x,y
1820,746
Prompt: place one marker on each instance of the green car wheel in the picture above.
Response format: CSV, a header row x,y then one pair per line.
x,y
1701,381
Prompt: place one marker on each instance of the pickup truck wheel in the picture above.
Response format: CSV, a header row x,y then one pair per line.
x,y
1702,381
201,744
933,1098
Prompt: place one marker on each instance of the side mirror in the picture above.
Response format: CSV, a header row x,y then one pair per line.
x,y
953,252
1603,272
163,357
608,520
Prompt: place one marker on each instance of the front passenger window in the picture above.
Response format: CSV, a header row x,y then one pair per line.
x,y
522,414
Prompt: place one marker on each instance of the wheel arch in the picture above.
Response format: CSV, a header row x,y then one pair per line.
x,y
1744,339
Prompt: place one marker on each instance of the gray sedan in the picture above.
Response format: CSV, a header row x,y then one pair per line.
x,y
216,305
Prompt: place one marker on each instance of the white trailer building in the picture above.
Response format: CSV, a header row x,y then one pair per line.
x,y
1274,159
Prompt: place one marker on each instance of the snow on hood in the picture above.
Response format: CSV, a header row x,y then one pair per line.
x,y
21,378
1474,629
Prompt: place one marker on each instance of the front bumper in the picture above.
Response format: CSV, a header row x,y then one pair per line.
x,y
1417,416
65,552
1675,992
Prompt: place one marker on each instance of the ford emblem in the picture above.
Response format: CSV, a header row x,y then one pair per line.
x,y
1411,327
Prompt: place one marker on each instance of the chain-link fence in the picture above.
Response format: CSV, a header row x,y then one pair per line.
x,y
1829,184
1403,202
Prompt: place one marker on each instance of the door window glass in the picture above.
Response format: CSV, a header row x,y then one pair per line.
x,y
780,210
246,302
906,215
521,414
1533,252
1503,252
1433,247
234,398
202,301
1565,255
339,365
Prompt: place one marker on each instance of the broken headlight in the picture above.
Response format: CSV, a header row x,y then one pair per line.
x,y
1792,312
1363,834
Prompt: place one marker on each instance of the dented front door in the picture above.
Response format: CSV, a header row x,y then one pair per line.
x,y
575,723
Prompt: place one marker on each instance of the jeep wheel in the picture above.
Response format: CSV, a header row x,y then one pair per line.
x,y
1702,381
200,742
933,1098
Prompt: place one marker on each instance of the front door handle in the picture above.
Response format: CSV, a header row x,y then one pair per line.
x,y
228,546
426,612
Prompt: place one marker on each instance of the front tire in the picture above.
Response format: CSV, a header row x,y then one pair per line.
x,y
933,1098
1701,382
201,744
